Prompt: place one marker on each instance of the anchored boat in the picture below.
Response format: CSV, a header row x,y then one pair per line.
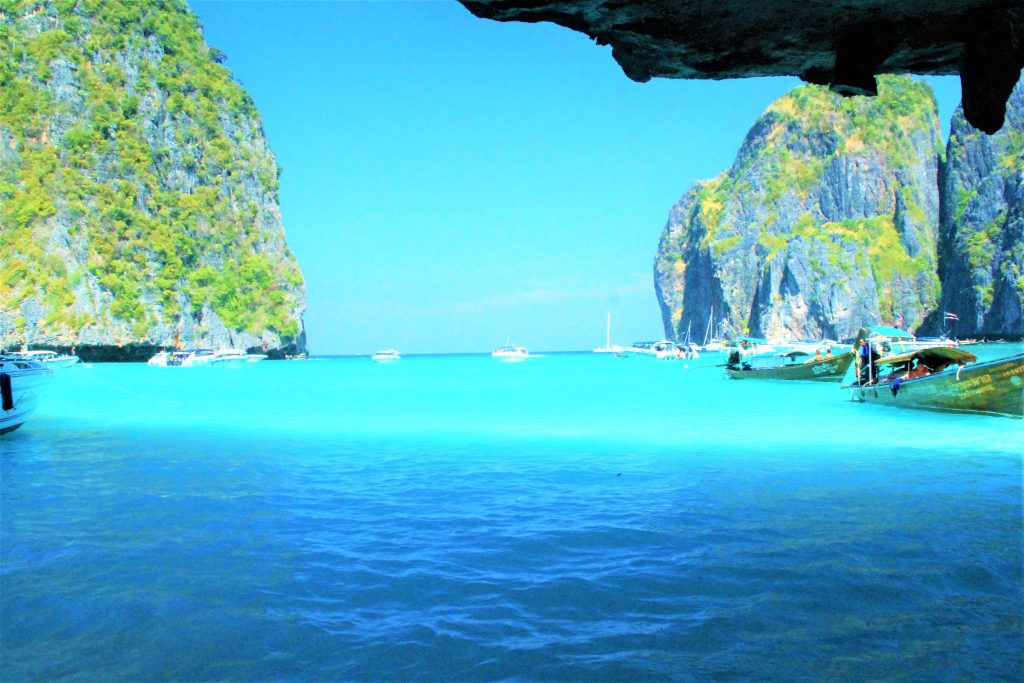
x,y
797,365
946,379
50,358
510,353
386,356
21,384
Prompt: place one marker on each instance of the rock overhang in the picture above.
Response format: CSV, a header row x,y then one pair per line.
x,y
843,44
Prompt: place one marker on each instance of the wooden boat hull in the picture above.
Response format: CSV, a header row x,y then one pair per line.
x,y
827,370
994,387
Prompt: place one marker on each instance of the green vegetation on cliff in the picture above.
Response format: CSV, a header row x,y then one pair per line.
x,y
825,221
136,188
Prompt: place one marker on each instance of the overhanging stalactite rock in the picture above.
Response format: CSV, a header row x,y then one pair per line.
x,y
842,45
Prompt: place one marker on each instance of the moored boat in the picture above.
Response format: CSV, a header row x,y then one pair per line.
x,y
608,346
225,357
510,353
21,384
386,356
896,340
255,357
190,358
946,379
794,365
49,358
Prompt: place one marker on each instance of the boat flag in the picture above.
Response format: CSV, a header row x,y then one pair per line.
x,y
951,316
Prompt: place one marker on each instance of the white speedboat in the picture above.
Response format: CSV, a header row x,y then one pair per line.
x,y
190,358
662,350
811,346
50,358
510,353
21,384
160,359
224,357
255,357
386,356
894,340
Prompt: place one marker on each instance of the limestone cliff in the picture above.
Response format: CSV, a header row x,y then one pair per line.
x,y
826,221
138,196
981,252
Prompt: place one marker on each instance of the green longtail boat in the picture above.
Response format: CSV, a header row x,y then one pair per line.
x,y
946,379
792,365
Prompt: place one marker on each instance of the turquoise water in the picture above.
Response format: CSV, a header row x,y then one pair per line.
x,y
572,517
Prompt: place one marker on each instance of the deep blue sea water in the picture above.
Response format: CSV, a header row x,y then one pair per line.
x,y
571,517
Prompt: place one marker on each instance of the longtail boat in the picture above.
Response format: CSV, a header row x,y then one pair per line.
x,y
947,379
792,365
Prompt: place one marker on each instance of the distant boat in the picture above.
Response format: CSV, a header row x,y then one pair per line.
x,y
386,356
661,350
749,346
21,384
255,357
811,345
896,340
946,379
182,358
191,358
711,341
792,365
510,353
608,347
50,358
229,357
159,359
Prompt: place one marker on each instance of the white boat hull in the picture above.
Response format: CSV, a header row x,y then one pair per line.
x,y
62,362
27,382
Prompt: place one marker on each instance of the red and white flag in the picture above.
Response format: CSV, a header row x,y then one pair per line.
x,y
951,316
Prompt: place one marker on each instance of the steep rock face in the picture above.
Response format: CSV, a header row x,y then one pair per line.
x,y
981,251
825,221
138,197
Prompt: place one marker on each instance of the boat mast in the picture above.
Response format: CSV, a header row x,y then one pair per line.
x,y
608,333
707,330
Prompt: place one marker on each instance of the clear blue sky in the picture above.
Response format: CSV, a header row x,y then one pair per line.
x,y
449,182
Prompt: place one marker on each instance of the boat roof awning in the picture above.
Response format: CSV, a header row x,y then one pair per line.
x,y
886,331
931,356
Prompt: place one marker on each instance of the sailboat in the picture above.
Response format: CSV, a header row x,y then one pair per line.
x,y
711,343
608,348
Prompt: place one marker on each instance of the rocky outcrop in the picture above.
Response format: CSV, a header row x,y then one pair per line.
x,y
138,196
981,251
826,221
843,45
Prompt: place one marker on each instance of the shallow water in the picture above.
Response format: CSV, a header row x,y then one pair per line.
x,y
569,517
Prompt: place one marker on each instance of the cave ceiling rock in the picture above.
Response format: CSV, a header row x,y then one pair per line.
x,y
843,44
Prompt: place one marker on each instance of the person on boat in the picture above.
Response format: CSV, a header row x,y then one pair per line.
x,y
863,359
817,355
828,352
919,370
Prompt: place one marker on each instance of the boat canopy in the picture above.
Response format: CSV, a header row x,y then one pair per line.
x,y
931,357
886,331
